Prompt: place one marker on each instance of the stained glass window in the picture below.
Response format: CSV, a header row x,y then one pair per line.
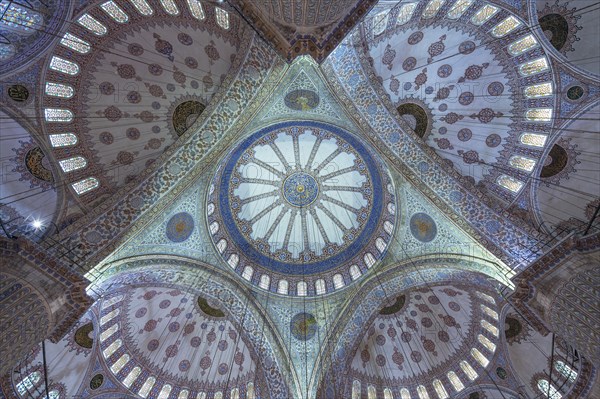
x,y
338,281
115,12
539,90
210,209
506,26
222,18
201,395
247,273
233,260
62,139
485,297
533,67
487,343
29,382
388,227
18,18
196,9
108,303
54,394
355,272
548,390
165,391
107,333
405,13
214,227
522,45
85,185
520,162
221,245
132,376
218,395
380,22
250,394
439,389
183,394
59,90
468,370
355,389
74,163
282,287
143,7
422,392
170,7
509,183
369,259
7,51
109,316
459,8
380,244
533,139
404,394
432,8
371,392
145,389
92,24
391,208
565,370
320,287
75,43
492,313
301,288
387,394
455,381
64,66
484,14
112,348
119,364
265,282
58,115
539,114
477,355
492,329
235,393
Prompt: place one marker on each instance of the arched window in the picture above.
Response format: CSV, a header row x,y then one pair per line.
x,y
387,394
468,370
459,8
422,392
521,162
183,394
477,355
432,8
62,140
64,66
233,260
492,329
109,302
338,281
265,282
566,370
210,209
539,114
115,12
71,164
119,364
222,18
250,394
301,288
405,13
170,7
489,345
508,25
404,394
391,208
491,313
247,273
509,183
54,394
371,392
85,185
132,376
485,297
533,67
484,14
19,19
380,22
222,245
75,43
92,24
548,390
355,272
27,383
533,139
59,90
58,115
369,259
455,381
165,391
282,287
109,316
522,45
380,244
112,348
143,7
356,389
320,287
214,227
235,393
196,10
539,90
388,227
439,389
145,389
107,333
218,395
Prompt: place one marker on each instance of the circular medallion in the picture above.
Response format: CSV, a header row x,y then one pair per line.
x,y
574,93
298,199
301,100
423,227
18,93
300,189
180,227
303,326
96,381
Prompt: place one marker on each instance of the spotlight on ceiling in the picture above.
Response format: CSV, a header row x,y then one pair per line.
x,y
37,224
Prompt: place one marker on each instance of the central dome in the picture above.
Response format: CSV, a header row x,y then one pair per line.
x,y
300,198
